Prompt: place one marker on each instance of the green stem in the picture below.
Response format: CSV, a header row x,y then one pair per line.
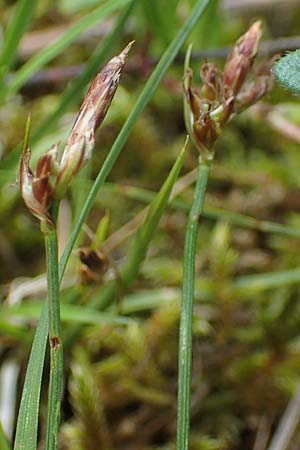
x,y
55,341
185,331
149,89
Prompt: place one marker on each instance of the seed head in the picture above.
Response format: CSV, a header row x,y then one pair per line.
x,y
241,59
91,114
51,178
223,94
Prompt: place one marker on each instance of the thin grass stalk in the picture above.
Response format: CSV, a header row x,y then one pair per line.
x,y
55,341
151,85
138,250
27,423
209,212
186,317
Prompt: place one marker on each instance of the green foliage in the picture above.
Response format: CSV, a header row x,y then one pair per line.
x,y
121,373
20,21
42,58
153,82
116,370
3,441
31,393
27,424
162,25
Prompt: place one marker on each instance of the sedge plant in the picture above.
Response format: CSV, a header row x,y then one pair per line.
x,y
27,424
222,95
42,192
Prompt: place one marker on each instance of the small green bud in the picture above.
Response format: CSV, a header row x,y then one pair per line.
x,y
286,71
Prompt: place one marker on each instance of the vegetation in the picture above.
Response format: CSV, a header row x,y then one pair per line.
x,y
145,248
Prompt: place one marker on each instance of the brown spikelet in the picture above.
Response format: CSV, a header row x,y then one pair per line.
x,y
36,189
223,94
91,114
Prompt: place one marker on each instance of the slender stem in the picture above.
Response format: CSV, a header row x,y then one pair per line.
x,y
185,331
149,89
55,341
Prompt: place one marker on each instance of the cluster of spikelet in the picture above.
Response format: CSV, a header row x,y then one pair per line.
x,y
49,182
225,93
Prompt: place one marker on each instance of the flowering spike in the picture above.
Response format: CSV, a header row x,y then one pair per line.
x,y
224,93
241,58
51,179
91,114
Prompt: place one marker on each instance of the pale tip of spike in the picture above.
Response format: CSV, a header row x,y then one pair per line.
x,y
126,50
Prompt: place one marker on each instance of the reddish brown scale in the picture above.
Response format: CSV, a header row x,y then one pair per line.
x,y
223,94
55,343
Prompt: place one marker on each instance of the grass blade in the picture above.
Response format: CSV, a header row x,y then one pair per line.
x,y
68,7
157,75
145,234
69,313
18,25
209,212
44,56
27,425
140,245
152,11
271,280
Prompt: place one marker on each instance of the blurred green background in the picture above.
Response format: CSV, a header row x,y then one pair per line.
x,y
120,376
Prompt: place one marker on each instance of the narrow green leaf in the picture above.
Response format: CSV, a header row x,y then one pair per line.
x,y
74,6
102,231
151,85
148,300
209,33
146,232
154,17
27,425
140,245
270,280
209,212
19,23
69,313
43,57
